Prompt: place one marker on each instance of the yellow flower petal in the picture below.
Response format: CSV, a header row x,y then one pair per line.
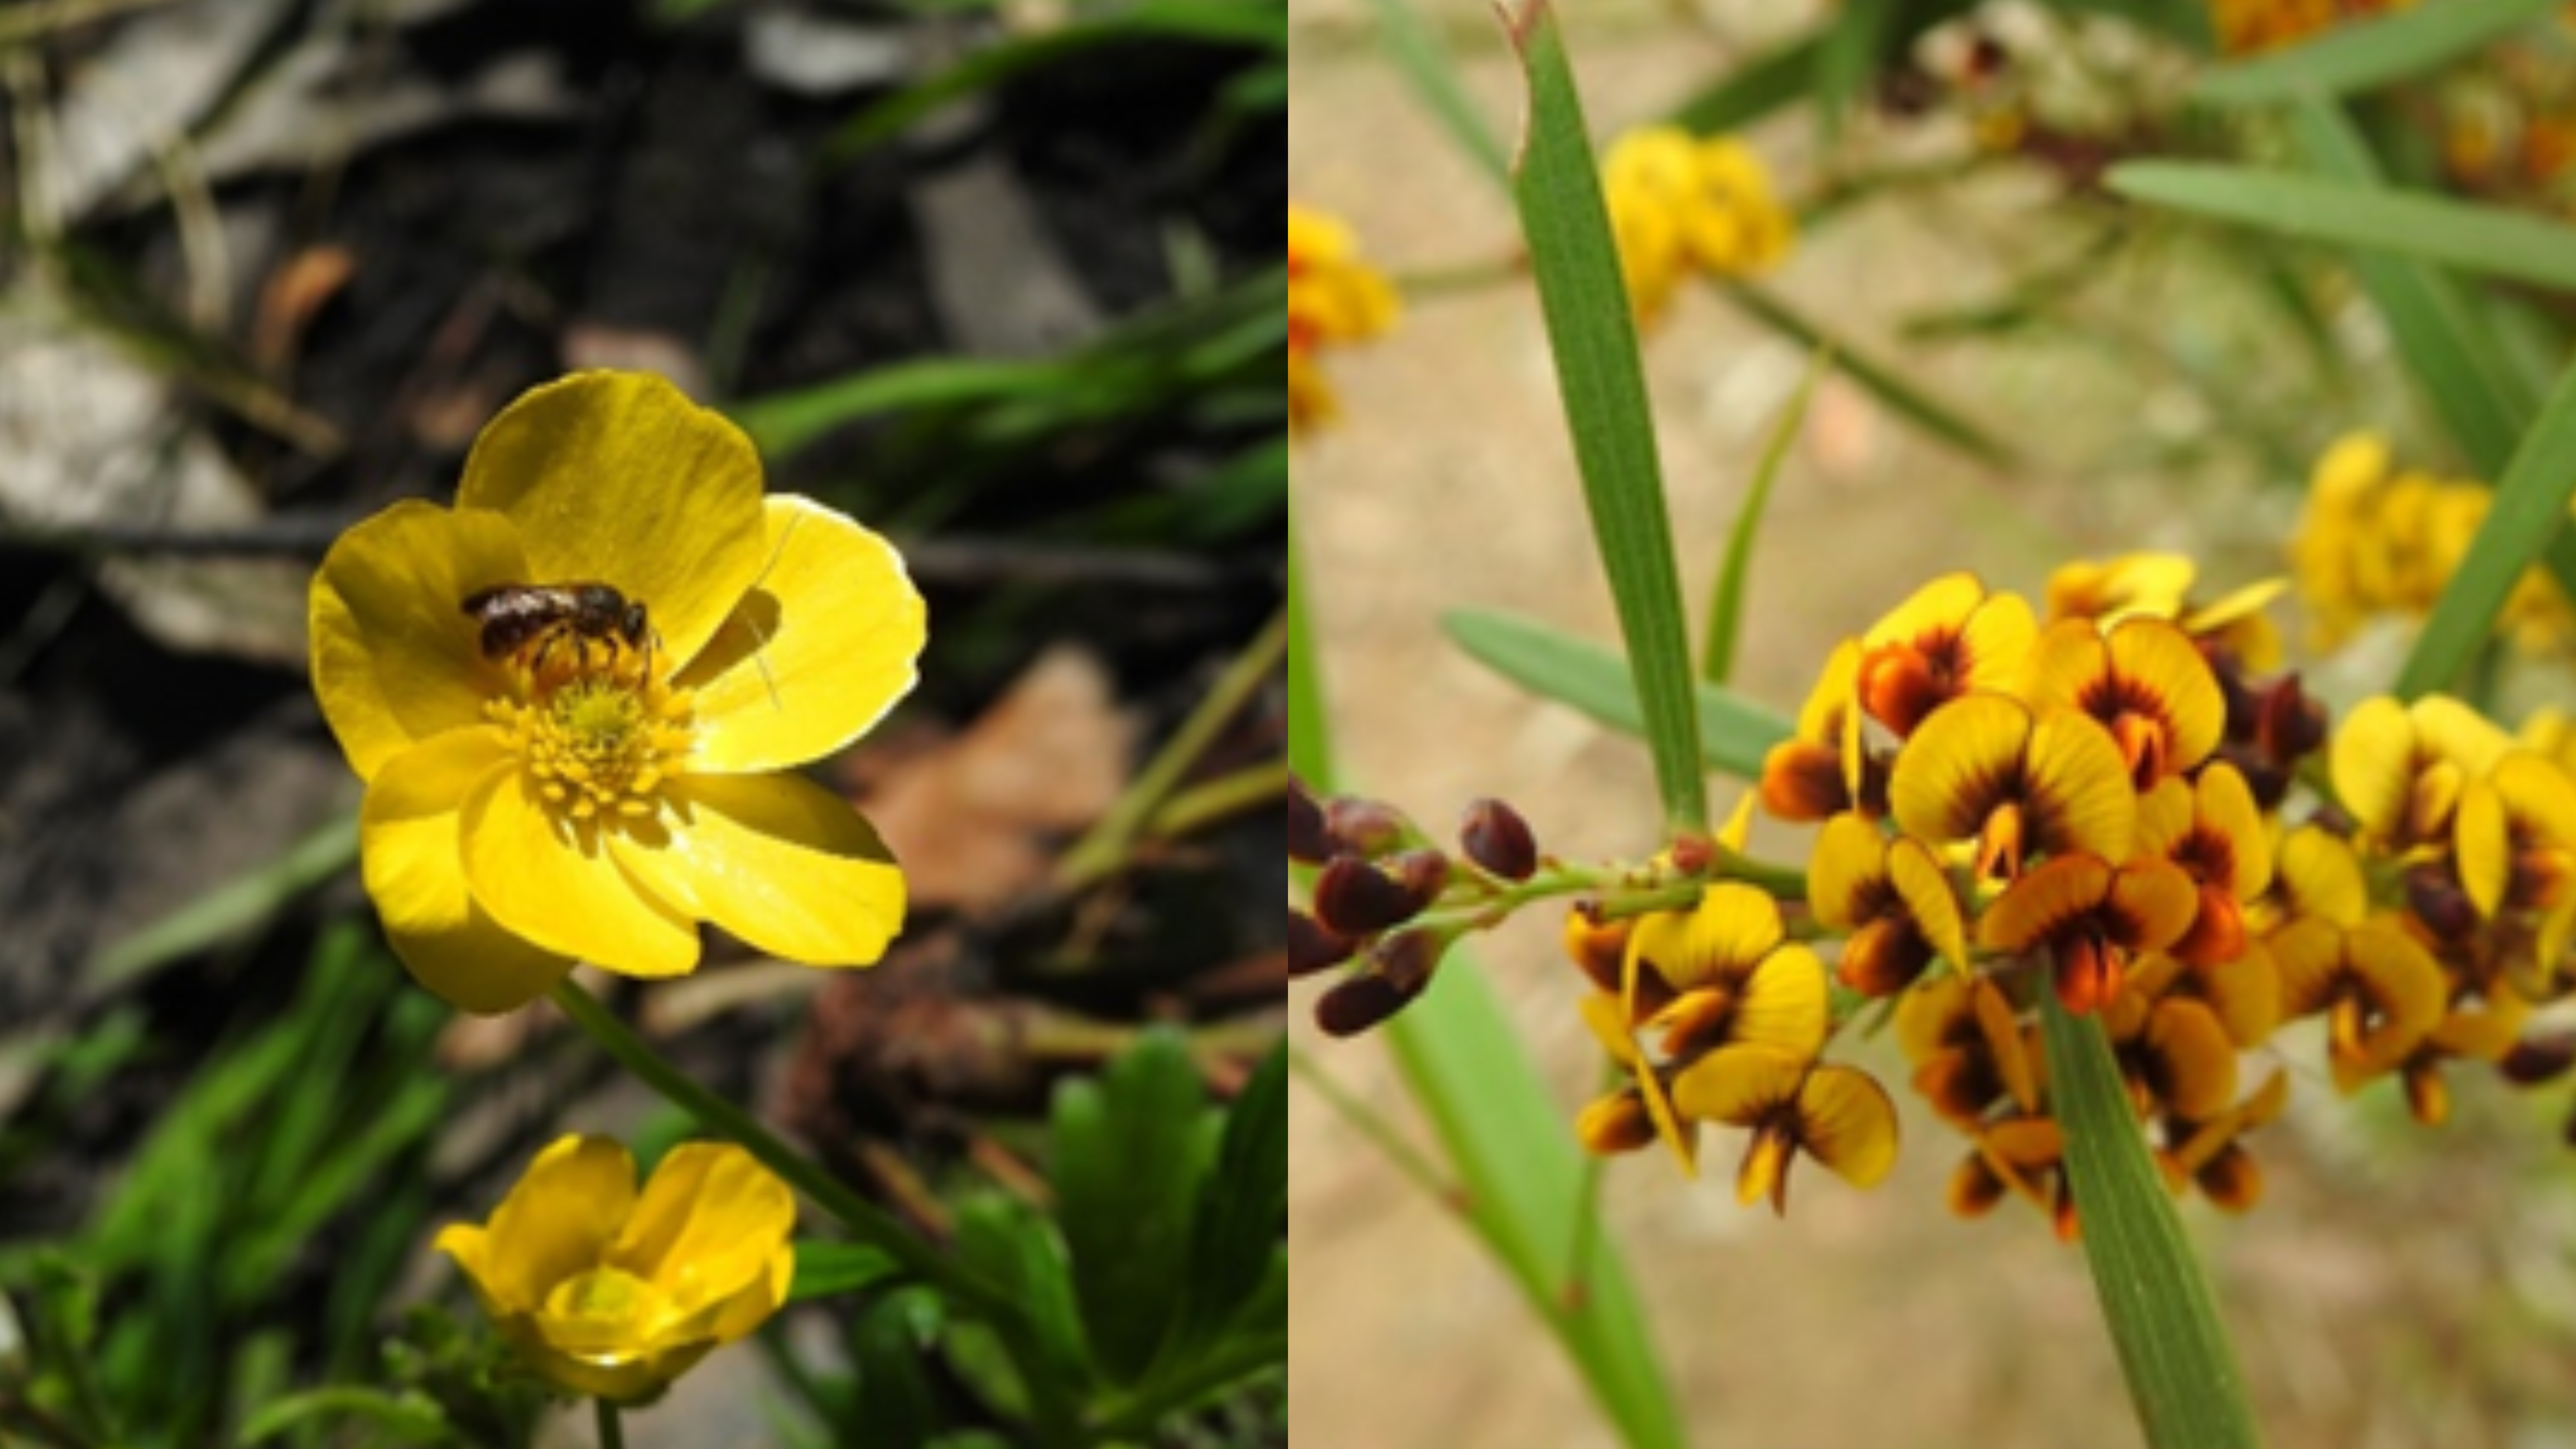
x,y
2321,877
1784,1006
1738,1085
2158,662
778,861
2246,994
554,1224
1845,869
2484,851
2373,765
2044,902
815,654
394,656
2193,1060
1959,767
2224,805
2308,956
1733,927
411,855
1846,1122
618,478
540,880
706,1229
1930,899
2079,789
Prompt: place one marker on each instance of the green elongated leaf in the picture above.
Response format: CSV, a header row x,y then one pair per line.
x,y
1734,734
1426,65
1603,385
825,1267
1005,1240
2481,239
1726,599
1227,22
1460,1059
893,1394
230,910
1242,1203
782,423
1778,77
1901,397
2453,355
2366,54
2173,1348
1126,1171
2185,24
2529,511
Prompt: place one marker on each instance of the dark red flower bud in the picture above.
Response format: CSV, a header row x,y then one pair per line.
x,y
1308,839
1408,958
2291,724
1359,898
2433,893
1498,840
1311,948
1358,1003
2534,1060
1366,828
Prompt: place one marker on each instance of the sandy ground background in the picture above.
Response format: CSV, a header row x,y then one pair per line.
x,y
2397,1288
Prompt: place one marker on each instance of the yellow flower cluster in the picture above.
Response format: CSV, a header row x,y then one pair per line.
x,y
2089,803
1681,204
2246,26
2373,540
1333,297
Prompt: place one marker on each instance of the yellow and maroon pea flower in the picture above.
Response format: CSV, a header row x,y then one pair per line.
x,y
2315,874
2158,586
1334,297
1948,639
2211,1154
2244,993
2481,1024
592,787
2400,770
2022,1155
2143,680
2210,827
1970,1049
2092,916
1824,768
1892,897
1681,204
1838,1115
2382,993
612,1294
2515,843
2175,1053
2019,783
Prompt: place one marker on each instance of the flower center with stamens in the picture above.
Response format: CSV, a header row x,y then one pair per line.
x,y
600,744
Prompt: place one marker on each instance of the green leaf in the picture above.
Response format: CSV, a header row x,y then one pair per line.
x,y
894,1403
1243,1207
1426,65
2173,1349
1126,1171
411,1417
1594,340
2529,512
826,1267
1734,734
1903,398
1754,89
2447,346
1212,22
2366,54
1460,1059
231,910
2485,239
1009,1244
1726,599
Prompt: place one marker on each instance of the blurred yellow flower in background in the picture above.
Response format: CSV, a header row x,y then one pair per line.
x,y
1333,297
1681,204
607,1294
574,698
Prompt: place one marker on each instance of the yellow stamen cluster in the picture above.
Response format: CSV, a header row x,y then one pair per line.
x,y
2375,540
600,742
1681,204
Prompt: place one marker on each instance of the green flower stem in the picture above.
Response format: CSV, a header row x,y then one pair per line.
x,y
1410,1161
612,1432
867,1222
1103,851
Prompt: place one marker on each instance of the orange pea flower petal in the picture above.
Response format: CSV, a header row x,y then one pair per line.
x,y
2195,1061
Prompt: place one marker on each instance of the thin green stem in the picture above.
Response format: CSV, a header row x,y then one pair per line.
x,y
1105,849
867,1222
1408,1160
1222,798
612,1432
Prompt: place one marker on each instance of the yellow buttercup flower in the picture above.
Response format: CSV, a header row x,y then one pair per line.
x,y
612,1295
1680,204
574,697
1333,297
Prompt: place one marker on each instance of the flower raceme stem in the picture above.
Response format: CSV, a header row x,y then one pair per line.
x,y
577,697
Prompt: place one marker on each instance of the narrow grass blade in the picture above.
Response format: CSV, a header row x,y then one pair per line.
x,y
2182,1372
231,910
1503,1134
2370,53
1751,91
2529,512
1726,599
1734,733
2478,239
1901,397
1424,62
2452,353
1604,389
